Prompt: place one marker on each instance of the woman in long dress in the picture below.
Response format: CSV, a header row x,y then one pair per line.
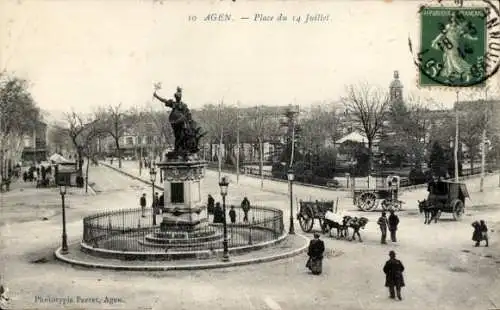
x,y
315,253
449,41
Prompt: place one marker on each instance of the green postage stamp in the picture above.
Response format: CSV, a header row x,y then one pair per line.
x,y
453,46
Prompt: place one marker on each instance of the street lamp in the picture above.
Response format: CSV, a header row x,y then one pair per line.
x,y
152,175
224,184
290,175
62,191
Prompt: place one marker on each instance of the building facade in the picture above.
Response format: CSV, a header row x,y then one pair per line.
x,y
35,144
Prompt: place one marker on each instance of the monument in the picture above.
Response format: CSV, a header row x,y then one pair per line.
x,y
185,214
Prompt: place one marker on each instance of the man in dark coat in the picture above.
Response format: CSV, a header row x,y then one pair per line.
x,y
210,204
245,206
382,223
393,270
142,203
218,213
393,225
315,253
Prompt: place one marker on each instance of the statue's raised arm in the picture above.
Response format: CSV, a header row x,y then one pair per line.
x,y
168,102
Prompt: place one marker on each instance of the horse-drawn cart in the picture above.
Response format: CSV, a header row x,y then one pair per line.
x,y
311,210
386,196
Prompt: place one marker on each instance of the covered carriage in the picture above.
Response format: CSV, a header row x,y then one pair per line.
x,y
448,197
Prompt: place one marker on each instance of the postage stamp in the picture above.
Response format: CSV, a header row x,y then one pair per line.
x,y
459,46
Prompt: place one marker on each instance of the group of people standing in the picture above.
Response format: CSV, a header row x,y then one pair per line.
x,y
157,203
41,175
390,223
217,211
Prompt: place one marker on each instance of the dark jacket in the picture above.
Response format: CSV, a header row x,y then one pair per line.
x,y
245,205
476,235
316,248
210,205
218,214
232,215
393,270
393,222
382,223
142,201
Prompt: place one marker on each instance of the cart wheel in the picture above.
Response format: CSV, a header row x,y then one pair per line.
x,y
458,209
367,201
306,219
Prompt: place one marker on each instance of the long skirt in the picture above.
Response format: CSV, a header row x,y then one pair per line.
x,y
315,265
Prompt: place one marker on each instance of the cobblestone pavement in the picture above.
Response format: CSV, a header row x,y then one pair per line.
x,y
439,275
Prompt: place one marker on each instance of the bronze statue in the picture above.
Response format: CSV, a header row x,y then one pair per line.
x,y
187,133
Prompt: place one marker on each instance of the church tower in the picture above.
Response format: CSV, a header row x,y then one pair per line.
x,y
396,89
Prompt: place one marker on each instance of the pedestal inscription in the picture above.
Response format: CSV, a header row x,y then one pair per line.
x,y
183,209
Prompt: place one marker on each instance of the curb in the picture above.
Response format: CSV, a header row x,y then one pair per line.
x,y
129,175
216,265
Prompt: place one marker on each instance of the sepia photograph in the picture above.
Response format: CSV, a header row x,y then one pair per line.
x,y
250,155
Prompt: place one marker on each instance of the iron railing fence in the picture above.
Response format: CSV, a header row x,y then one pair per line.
x,y
131,230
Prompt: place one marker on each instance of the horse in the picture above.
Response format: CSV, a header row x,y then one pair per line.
x,y
341,228
356,224
430,212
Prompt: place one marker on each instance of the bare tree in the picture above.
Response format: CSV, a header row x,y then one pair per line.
x,y
80,130
114,122
368,109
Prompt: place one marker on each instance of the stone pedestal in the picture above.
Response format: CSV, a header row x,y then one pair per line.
x,y
184,209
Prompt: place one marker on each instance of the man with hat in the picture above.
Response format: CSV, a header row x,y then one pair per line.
x,y
394,280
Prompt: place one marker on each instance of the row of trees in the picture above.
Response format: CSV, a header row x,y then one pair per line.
x,y
404,130
19,116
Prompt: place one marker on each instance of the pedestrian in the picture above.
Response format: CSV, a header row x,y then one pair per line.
x,y
484,231
210,204
25,176
156,204
394,279
382,223
315,253
35,175
393,225
232,215
245,206
161,202
218,213
480,232
142,202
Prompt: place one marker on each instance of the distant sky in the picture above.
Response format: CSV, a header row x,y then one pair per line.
x,y
82,54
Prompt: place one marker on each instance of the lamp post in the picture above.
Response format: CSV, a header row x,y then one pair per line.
x,y
224,184
62,191
290,175
152,175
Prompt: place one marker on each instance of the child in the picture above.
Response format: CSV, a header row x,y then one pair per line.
x,y
232,215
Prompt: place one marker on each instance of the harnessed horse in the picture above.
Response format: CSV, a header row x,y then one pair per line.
x,y
430,212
